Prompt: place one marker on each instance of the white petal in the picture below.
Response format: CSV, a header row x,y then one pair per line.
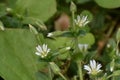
x,y
49,35
80,46
68,48
40,47
94,64
86,23
86,67
37,53
98,66
78,18
99,70
91,64
44,47
48,50
83,19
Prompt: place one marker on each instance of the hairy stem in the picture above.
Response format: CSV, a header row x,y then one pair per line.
x,y
80,70
62,76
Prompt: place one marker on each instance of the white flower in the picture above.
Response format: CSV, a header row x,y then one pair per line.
x,y
83,47
93,68
68,48
81,21
42,50
49,35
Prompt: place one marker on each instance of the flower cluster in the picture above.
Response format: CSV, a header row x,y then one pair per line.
x,y
81,21
42,50
93,68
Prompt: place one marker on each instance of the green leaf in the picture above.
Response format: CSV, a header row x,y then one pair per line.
x,y
2,9
82,1
87,39
108,3
42,76
64,53
17,58
117,78
59,42
39,9
116,73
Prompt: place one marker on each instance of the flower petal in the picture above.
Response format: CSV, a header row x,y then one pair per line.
x,y
86,67
37,53
98,66
94,64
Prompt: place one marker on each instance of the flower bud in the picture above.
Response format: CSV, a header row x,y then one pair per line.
x,y
73,7
9,10
112,65
41,26
32,29
54,68
2,26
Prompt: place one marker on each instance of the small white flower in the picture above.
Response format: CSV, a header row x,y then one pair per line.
x,y
81,21
93,68
49,35
42,50
68,48
108,45
83,47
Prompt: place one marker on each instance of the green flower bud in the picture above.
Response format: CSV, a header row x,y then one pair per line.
x,y
32,29
112,65
55,68
73,7
2,26
9,10
41,26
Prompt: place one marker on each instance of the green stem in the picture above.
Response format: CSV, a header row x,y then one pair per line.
x,y
73,22
117,47
80,70
75,77
62,76
50,73
111,29
113,78
118,43
109,76
38,39
73,17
